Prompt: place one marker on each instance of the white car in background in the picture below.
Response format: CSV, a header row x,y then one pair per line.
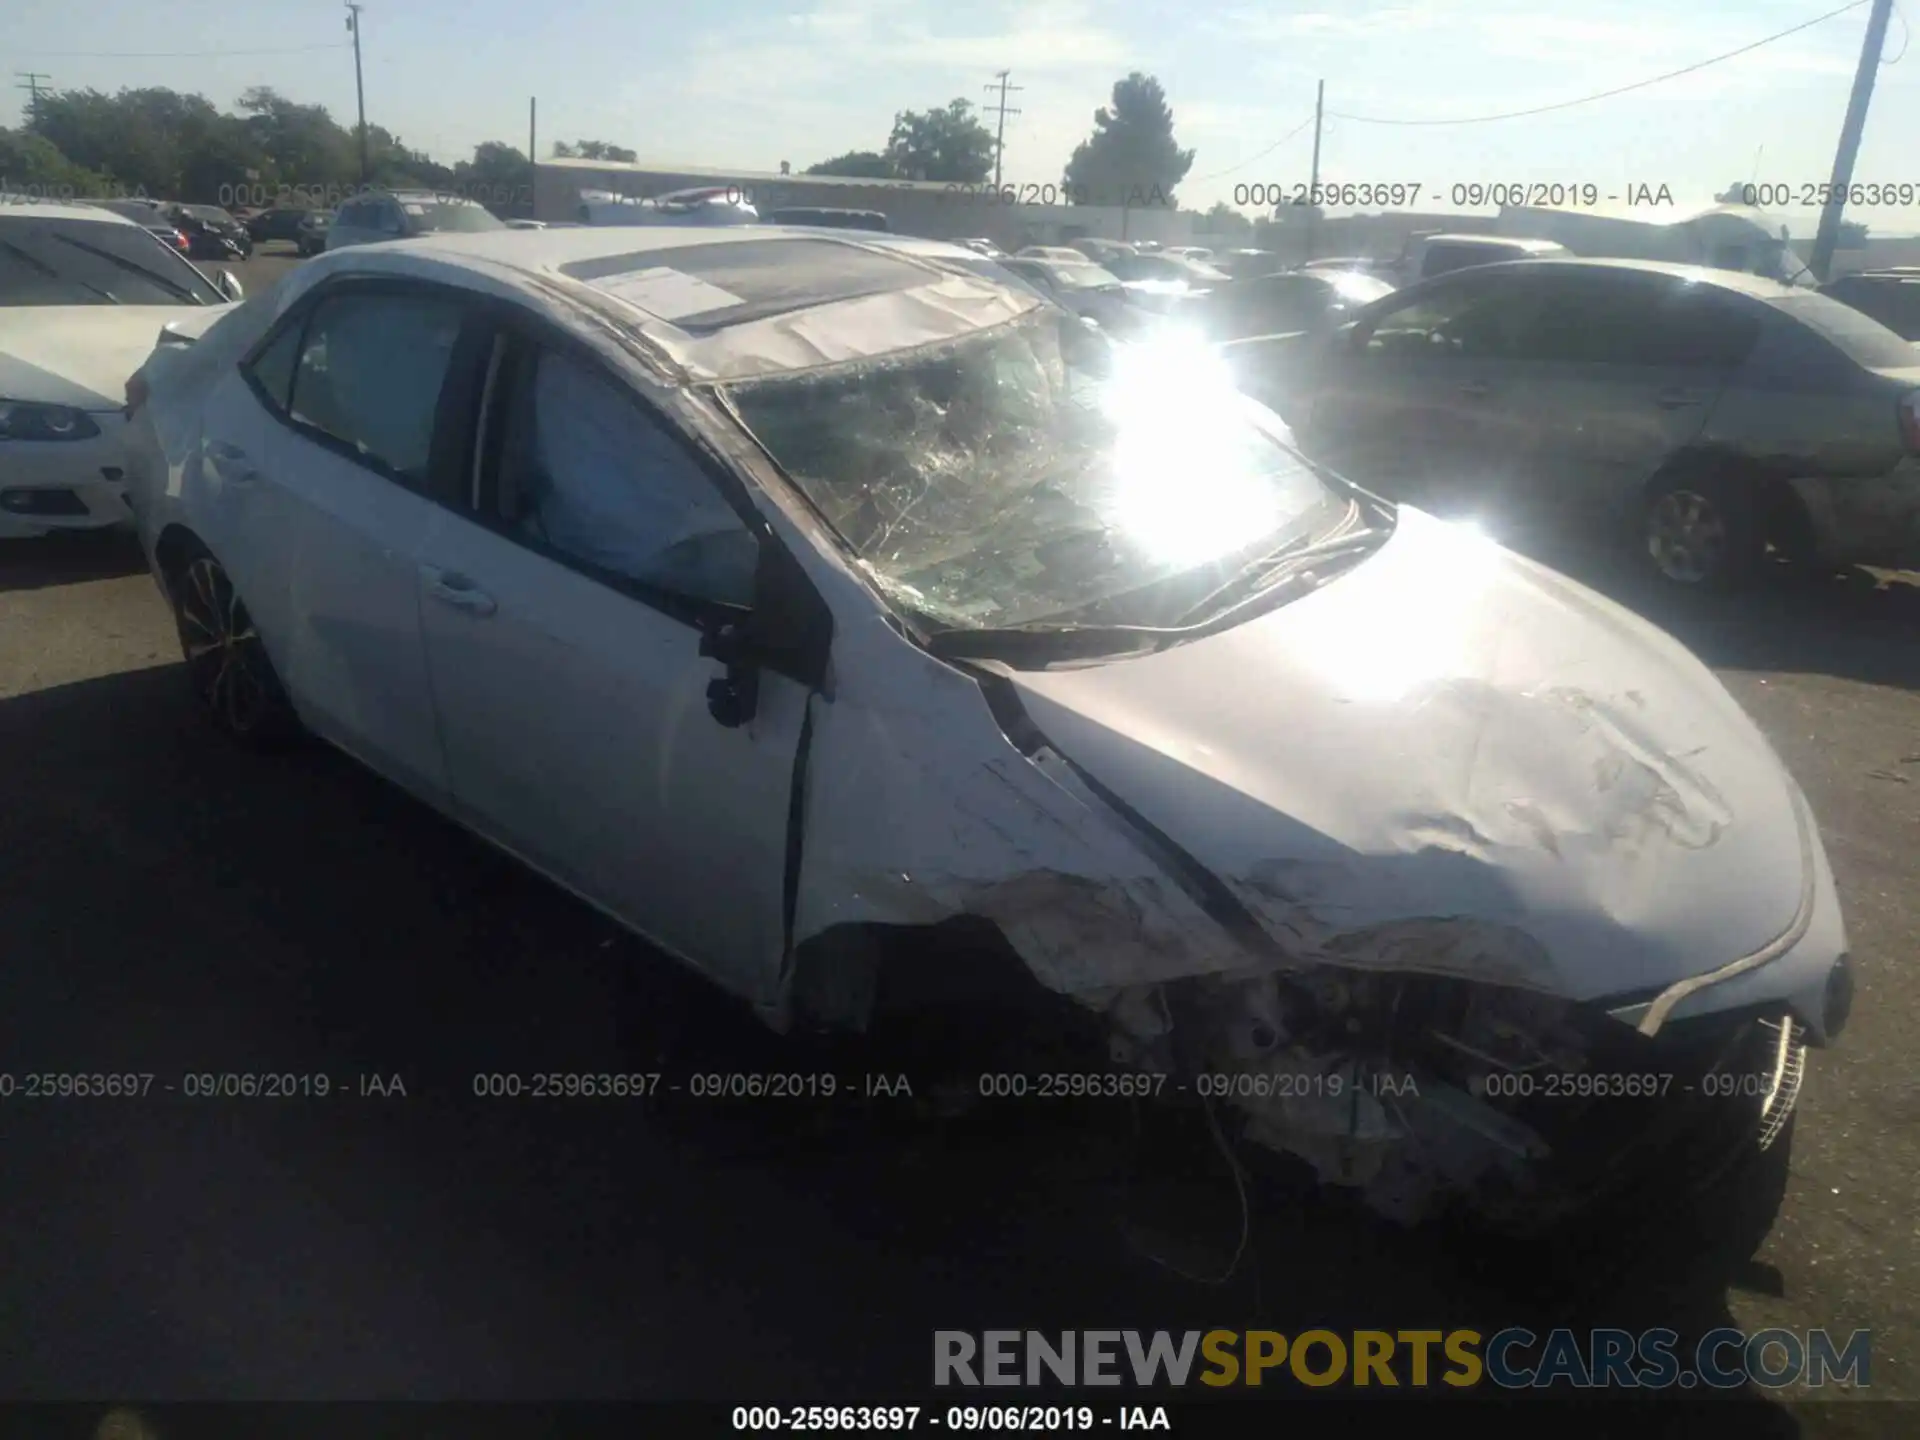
x,y
858,629
84,296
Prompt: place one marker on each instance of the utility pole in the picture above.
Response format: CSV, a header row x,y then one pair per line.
x,y
359,86
34,79
533,156
1850,129
1313,184
1000,135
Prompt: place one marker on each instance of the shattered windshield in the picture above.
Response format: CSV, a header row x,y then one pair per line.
x,y
1038,472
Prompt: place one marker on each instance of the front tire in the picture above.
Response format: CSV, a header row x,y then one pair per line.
x,y
1703,531
227,665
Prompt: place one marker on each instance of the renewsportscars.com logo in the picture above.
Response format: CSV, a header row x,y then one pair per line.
x,y
1514,1358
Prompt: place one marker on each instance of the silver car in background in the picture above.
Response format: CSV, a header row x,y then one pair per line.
x,y
405,215
1707,417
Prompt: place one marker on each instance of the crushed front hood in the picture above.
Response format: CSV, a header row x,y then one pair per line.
x,y
1449,732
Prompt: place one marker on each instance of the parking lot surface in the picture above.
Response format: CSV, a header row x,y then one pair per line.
x,y
175,908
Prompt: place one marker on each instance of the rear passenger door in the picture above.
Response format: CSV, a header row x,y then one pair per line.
x,y
341,501
1623,368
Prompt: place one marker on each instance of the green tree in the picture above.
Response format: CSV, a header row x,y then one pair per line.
x,y
32,165
592,150
859,164
1853,235
153,141
303,145
1226,223
949,145
1131,157
499,177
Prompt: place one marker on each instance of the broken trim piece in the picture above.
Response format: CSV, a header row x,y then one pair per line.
x,y
1207,891
796,838
1664,1003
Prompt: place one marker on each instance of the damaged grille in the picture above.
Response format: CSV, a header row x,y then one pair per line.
x,y
1431,1097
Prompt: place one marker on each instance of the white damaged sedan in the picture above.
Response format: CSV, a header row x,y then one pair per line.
x,y
800,601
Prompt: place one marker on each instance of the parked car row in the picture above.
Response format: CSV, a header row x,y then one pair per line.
x,y
201,232
1711,419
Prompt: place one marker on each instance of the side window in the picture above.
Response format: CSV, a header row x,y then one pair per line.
x,y
272,369
1460,322
585,471
1698,328
370,372
1588,320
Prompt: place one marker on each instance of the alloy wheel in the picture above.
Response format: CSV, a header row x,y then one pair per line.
x,y
225,659
1687,537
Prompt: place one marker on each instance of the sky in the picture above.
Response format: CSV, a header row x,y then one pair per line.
x,y
750,83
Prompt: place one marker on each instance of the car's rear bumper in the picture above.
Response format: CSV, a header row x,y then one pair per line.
x,y
1869,520
66,484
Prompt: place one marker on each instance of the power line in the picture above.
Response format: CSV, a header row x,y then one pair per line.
x,y
33,79
171,54
1608,94
1197,179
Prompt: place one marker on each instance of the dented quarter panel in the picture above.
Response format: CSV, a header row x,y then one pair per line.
x,y
1450,733
919,808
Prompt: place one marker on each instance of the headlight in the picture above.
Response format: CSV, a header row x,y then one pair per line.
x,y
21,421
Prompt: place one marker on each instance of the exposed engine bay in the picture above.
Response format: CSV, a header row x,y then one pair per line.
x,y
1434,1097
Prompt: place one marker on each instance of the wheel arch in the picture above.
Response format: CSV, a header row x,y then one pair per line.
x,y
1783,515
172,549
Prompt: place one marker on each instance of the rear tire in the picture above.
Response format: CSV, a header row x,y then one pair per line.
x,y
228,668
1704,530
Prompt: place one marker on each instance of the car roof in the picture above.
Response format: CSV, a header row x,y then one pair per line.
x,y
1511,242
47,210
1757,286
713,303
438,197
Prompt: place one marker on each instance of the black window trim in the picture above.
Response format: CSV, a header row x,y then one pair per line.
x,y
1652,288
1468,279
463,457
441,455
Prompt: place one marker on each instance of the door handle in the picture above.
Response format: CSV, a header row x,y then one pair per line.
x,y
459,592
1476,389
1675,399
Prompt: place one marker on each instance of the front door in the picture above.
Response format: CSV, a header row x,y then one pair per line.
x,y
562,620
1623,369
1417,401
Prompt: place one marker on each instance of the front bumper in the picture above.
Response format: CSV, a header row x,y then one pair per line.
x,y
1813,979
48,485
1868,520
